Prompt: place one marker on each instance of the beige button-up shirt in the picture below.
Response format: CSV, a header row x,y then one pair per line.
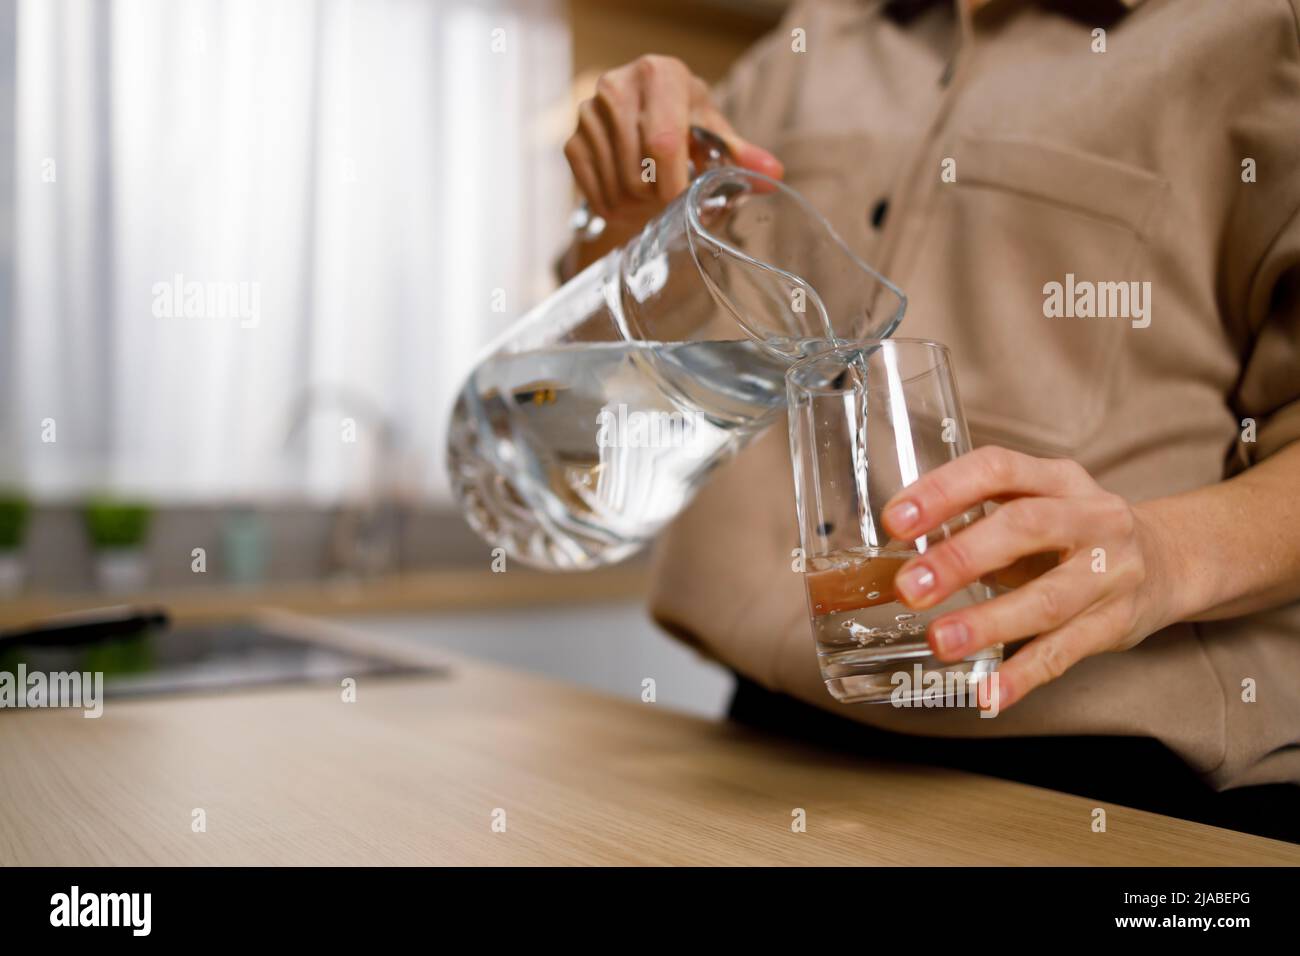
x,y
1165,149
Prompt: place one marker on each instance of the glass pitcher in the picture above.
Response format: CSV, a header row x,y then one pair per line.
x,y
592,421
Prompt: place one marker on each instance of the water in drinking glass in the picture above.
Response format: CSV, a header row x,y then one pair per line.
x,y
860,625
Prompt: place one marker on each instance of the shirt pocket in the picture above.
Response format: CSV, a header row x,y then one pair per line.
x,y
1022,214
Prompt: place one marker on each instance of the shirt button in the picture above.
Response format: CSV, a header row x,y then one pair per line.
x,y
878,213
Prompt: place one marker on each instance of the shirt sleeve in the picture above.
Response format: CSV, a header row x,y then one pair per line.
x,y
1263,279
1268,392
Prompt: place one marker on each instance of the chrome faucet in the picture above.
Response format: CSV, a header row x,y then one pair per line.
x,y
365,538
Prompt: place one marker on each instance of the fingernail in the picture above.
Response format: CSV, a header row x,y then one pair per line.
x,y
1001,690
902,516
950,637
915,582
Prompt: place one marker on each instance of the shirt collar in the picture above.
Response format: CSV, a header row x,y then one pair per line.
x,y
907,8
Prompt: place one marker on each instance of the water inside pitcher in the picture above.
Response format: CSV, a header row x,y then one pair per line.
x,y
592,422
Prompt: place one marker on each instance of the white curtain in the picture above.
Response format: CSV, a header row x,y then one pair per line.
x,y
351,197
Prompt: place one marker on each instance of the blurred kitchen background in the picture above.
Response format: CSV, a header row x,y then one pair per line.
x,y
379,187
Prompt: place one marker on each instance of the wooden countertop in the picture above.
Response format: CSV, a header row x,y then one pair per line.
x,y
412,772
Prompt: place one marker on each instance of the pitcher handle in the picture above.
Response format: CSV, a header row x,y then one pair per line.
x,y
708,151
711,149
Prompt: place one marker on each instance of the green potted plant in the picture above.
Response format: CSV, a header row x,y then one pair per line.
x,y
117,531
14,511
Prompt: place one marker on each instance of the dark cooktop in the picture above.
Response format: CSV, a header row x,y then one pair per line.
x,y
240,654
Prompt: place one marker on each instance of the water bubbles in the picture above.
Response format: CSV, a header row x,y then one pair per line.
x,y
863,635
900,618
872,595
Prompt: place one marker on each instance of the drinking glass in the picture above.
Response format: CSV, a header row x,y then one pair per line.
x,y
867,420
